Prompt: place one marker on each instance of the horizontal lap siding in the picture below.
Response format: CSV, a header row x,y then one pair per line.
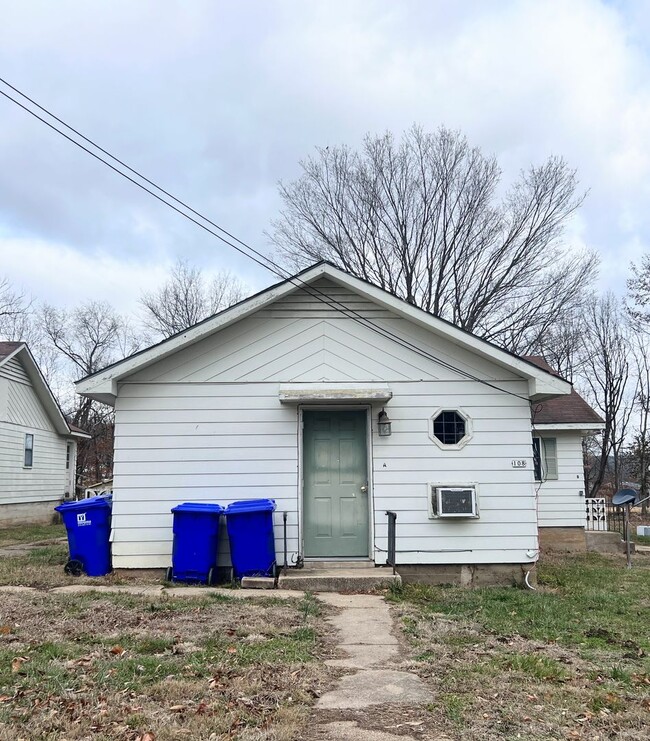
x,y
246,446
562,502
23,413
45,480
206,424
176,461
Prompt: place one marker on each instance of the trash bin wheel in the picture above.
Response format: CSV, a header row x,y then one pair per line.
x,y
232,576
275,570
212,575
168,574
74,567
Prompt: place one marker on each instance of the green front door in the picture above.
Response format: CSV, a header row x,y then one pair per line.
x,y
335,491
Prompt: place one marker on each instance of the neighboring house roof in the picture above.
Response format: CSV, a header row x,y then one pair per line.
x,y
21,352
567,412
103,384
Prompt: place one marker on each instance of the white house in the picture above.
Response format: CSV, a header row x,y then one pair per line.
x,y
280,396
559,426
38,447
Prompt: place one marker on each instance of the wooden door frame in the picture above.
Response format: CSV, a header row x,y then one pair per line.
x,y
369,468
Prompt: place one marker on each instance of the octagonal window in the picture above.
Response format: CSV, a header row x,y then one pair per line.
x,y
449,428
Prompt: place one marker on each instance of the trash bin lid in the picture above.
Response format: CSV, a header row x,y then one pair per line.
x,y
85,504
251,505
202,507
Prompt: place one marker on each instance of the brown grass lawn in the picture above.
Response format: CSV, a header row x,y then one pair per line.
x,y
121,667
570,661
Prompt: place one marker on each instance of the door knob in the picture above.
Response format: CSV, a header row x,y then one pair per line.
x,y
364,489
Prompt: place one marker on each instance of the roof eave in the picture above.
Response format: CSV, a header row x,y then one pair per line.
x,y
102,385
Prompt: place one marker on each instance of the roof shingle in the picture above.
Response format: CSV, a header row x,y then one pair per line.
x,y
571,409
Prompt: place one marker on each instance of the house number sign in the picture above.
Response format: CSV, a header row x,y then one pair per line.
x,y
519,463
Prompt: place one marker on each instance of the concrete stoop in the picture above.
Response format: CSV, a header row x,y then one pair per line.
x,y
334,578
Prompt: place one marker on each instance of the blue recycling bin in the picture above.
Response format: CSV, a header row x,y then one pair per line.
x,y
250,531
88,524
196,542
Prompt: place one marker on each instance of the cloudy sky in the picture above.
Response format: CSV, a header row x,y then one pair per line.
x,y
218,100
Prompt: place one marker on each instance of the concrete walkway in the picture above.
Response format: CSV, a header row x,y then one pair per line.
x,y
365,629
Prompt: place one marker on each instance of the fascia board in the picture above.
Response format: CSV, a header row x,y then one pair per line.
x,y
541,383
42,390
104,382
571,426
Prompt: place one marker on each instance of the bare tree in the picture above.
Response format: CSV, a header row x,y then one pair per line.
x,y
88,338
14,307
422,219
607,376
185,299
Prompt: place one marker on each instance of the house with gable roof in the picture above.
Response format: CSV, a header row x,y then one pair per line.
x,y
38,446
341,402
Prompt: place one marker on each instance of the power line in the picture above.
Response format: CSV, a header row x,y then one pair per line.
x,y
245,249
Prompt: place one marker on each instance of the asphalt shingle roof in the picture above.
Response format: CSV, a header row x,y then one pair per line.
x,y
571,409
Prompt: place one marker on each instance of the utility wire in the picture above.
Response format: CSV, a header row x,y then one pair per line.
x,y
247,251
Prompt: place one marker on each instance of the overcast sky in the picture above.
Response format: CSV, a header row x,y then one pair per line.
x,y
217,101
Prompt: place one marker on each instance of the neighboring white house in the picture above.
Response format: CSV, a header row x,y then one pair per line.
x,y
559,426
281,395
38,446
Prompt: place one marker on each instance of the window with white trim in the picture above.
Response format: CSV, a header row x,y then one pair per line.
x,y
450,429
545,458
29,450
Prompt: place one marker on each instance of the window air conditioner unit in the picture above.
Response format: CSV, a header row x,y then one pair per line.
x,y
454,501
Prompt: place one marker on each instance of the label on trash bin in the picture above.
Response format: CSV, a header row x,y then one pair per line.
x,y
81,520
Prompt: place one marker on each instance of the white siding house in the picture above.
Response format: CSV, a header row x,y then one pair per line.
x,y
559,426
37,445
280,397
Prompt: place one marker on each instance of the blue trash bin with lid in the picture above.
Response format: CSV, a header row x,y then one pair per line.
x,y
196,542
252,543
88,525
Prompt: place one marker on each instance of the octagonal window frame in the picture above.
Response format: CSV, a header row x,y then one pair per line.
x,y
468,428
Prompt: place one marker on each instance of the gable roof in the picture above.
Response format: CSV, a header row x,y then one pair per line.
x,y
103,384
566,410
20,351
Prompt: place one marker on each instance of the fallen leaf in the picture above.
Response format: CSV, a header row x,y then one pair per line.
x,y
118,650
232,650
5,630
147,736
17,663
177,708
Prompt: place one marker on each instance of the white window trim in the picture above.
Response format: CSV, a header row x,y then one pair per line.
x,y
25,449
469,429
543,460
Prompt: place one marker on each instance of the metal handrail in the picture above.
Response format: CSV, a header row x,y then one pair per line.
x,y
391,550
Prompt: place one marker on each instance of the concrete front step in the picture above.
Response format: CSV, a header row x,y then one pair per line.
x,y
339,579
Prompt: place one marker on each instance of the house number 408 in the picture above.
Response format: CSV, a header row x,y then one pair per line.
x,y
519,463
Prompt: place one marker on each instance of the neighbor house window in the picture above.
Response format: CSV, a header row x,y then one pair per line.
x,y
449,428
68,454
29,450
545,458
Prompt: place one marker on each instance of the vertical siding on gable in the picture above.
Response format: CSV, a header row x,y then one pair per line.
x,y
561,502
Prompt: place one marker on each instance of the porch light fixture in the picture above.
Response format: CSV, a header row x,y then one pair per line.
x,y
383,424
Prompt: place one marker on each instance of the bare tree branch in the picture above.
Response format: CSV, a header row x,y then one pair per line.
x,y
185,299
422,219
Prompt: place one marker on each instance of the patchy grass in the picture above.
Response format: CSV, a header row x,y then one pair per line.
x,y
117,666
567,661
30,534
